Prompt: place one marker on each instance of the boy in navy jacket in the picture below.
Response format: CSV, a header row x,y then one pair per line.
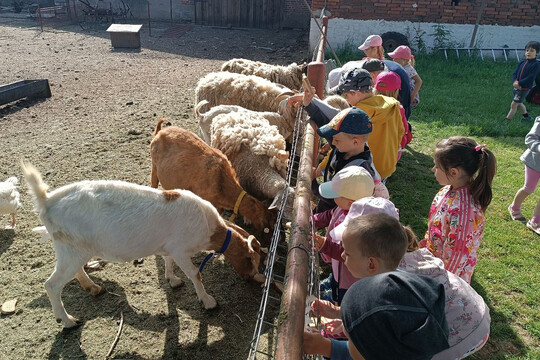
x,y
523,78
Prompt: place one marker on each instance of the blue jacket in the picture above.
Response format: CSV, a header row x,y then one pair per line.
x,y
526,72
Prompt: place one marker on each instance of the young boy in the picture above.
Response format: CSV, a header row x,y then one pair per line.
x,y
387,314
356,86
523,78
348,185
349,131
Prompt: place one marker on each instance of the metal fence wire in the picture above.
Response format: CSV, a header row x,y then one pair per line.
x,y
267,323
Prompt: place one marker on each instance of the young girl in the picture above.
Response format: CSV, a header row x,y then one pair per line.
x,y
456,218
388,83
531,158
373,48
402,55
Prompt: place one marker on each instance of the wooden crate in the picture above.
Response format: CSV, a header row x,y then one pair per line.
x,y
125,35
24,88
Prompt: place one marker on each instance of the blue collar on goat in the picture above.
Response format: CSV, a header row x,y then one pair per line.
x,y
223,249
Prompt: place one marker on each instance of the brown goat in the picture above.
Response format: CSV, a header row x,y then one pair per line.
x,y
181,160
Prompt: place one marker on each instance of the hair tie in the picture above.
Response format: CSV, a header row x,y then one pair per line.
x,y
480,147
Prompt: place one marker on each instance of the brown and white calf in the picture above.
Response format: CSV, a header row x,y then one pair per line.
x,y
182,160
119,221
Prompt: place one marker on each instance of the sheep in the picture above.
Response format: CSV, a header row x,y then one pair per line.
x,y
181,160
257,153
284,126
249,91
289,76
120,221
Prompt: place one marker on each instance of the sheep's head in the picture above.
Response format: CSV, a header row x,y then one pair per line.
x,y
289,202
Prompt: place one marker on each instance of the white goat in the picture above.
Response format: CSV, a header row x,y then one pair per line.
x,y
119,221
289,76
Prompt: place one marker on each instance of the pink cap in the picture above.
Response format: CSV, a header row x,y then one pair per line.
x,y
364,206
388,81
371,41
401,52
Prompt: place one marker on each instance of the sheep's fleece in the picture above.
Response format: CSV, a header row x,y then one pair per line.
x,y
232,131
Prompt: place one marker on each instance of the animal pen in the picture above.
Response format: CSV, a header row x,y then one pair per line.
x,y
301,278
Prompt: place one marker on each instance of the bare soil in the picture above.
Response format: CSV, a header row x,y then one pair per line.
x,y
98,125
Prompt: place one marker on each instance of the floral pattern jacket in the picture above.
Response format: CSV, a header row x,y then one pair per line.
x,y
455,228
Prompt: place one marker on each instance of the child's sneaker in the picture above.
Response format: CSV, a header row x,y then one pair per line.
x,y
533,226
526,119
516,214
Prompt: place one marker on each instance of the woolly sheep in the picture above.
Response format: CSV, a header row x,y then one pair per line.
x,y
257,153
249,91
289,76
284,126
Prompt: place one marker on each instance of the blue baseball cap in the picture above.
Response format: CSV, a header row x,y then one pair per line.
x,y
350,121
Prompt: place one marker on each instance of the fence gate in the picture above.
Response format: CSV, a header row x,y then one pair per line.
x,y
264,14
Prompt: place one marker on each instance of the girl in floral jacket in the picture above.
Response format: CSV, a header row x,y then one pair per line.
x,y
456,217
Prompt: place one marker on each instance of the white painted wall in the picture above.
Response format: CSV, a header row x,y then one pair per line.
x,y
343,31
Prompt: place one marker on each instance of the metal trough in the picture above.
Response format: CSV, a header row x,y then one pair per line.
x,y
24,88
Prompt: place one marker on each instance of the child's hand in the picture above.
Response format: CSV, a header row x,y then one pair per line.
x,y
318,242
334,327
315,343
326,308
516,85
324,149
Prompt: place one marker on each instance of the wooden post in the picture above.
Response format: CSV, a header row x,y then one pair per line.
x,y
149,25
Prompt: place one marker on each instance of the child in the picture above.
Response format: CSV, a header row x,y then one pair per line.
x,y
388,84
456,218
531,158
402,55
356,86
348,185
372,47
523,78
466,312
383,314
349,131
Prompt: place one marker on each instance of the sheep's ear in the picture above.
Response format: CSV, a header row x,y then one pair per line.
x,y
275,203
284,94
283,155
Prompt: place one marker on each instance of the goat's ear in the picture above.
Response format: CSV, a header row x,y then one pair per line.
x,y
253,245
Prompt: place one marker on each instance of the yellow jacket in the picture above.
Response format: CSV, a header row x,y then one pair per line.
x,y
385,139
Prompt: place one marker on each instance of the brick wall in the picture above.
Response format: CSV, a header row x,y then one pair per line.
x,y
496,12
295,14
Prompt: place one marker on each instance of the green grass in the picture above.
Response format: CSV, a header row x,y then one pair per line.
x,y
471,97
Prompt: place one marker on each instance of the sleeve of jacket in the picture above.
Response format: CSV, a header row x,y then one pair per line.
x,y
322,220
320,112
532,140
340,350
528,80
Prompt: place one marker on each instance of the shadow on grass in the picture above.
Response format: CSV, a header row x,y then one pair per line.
x,y
412,188
503,340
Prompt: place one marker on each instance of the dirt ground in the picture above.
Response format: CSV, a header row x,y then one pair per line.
x,y
97,125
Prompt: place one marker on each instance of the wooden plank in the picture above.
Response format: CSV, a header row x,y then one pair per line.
x,y
24,88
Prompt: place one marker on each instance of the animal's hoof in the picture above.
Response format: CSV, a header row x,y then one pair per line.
x,y
176,283
209,303
96,290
